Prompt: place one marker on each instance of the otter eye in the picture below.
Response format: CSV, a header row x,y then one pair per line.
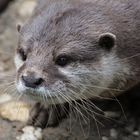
x,y
62,60
22,54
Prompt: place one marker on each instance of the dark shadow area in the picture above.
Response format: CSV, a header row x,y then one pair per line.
x,y
4,4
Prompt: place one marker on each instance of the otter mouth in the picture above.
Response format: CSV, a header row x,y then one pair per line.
x,y
45,98
40,94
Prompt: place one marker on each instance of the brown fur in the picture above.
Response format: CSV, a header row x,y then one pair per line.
x,y
75,27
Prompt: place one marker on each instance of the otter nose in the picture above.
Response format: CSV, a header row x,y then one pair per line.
x,y
31,81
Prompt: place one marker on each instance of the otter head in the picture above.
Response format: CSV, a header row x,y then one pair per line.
x,y
58,61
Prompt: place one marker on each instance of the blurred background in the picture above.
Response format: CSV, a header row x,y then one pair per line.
x,y
12,12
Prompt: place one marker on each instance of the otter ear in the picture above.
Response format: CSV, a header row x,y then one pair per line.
x,y
107,40
18,27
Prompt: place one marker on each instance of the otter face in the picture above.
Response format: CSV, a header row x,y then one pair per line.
x,y
56,63
59,74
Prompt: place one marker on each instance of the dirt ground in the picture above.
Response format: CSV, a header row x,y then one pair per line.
x,y
124,112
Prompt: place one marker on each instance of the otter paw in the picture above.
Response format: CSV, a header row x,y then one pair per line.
x,y
50,116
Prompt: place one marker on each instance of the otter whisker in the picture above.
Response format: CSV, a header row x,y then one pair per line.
x,y
5,52
52,100
18,108
90,92
105,88
6,89
98,114
93,116
19,97
65,97
81,122
100,87
7,84
93,106
119,105
96,121
12,92
124,59
130,57
88,113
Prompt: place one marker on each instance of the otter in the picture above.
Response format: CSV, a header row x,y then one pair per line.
x,y
78,50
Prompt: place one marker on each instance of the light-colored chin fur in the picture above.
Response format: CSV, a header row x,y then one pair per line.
x,y
37,94
18,61
82,80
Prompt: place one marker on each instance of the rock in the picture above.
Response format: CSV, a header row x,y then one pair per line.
x,y
104,138
31,133
5,98
113,133
27,8
136,133
15,111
